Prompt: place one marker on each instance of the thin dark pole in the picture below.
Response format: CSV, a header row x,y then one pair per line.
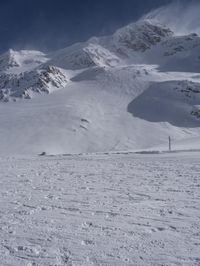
x,y
170,144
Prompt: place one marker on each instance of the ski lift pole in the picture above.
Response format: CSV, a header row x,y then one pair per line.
x,y
170,144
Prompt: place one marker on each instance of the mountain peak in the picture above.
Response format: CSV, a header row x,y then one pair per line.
x,y
8,60
20,61
141,35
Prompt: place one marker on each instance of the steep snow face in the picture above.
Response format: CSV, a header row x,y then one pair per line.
x,y
175,102
181,44
84,56
74,58
102,57
127,91
177,53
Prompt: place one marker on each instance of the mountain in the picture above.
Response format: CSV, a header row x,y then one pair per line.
x,y
127,91
27,84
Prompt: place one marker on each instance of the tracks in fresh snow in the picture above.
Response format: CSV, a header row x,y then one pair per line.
x,y
100,210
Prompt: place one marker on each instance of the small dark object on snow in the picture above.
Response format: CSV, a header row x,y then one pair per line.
x,y
42,154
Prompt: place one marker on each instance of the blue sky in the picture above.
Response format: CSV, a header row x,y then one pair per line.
x,y
53,24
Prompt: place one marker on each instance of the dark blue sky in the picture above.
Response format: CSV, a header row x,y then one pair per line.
x,y
51,24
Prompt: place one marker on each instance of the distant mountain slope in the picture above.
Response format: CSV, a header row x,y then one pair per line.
x,y
130,90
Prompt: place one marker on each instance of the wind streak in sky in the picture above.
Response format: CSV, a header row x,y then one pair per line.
x,y
181,16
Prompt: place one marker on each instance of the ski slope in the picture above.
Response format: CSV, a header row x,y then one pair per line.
x,y
100,210
96,116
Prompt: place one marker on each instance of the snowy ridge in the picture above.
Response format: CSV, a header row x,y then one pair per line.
x,y
19,61
27,84
8,60
83,56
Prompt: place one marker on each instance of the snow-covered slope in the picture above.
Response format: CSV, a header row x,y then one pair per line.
x,y
130,90
176,102
84,55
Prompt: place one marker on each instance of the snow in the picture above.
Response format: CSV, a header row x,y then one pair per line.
x,y
100,210
106,190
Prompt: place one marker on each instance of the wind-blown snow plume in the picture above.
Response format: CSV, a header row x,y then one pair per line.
x,y
181,16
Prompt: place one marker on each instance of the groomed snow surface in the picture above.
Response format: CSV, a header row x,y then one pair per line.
x,y
119,209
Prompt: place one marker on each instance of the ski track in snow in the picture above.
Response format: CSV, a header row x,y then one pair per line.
x,y
100,210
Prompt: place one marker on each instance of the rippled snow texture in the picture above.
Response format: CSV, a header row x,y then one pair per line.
x,y
100,210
